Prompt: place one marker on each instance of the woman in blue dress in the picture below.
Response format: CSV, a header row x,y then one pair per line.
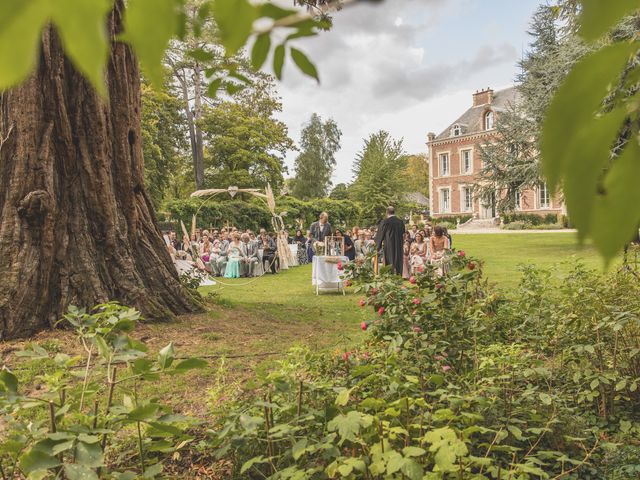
x,y
234,257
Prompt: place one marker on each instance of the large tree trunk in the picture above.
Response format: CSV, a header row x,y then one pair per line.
x,y
76,224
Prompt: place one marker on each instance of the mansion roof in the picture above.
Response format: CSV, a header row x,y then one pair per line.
x,y
472,121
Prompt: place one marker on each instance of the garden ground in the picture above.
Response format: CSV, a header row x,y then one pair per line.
x,y
251,322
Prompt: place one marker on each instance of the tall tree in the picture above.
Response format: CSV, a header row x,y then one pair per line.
x,y
512,162
417,174
163,141
340,192
319,142
246,146
76,223
380,180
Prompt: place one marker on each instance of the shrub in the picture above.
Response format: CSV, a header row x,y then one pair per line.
x,y
517,225
451,219
63,430
530,218
458,382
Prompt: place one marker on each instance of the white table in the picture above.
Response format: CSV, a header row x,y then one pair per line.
x,y
325,275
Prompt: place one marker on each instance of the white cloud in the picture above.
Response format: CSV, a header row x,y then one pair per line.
x,y
377,73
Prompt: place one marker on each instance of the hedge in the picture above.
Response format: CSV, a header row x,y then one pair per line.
x,y
531,218
254,214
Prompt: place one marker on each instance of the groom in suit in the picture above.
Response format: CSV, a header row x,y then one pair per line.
x,y
321,228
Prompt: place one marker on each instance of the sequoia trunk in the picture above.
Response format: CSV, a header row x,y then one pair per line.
x,y
76,224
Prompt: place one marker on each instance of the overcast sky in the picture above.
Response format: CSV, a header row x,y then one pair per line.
x,y
405,66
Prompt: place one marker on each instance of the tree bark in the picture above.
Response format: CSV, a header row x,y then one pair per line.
x,y
76,224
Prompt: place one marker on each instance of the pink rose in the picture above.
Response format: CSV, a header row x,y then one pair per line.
x,y
364,326
446,368
439,357
340,266
461,254
412,280
381,311
345,356
416,301
362,302
416,329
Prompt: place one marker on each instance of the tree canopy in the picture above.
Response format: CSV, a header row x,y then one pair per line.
x,y
319,142
379,175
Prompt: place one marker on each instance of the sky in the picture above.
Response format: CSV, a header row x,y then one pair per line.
x,y
405,66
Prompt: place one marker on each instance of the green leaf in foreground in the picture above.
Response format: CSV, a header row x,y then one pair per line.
x,y
278,61
304,64
577,143
150,38
235,20
599,16
20,26
260,50
82,27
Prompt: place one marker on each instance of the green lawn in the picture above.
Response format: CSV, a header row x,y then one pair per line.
x,y
253,322
502,253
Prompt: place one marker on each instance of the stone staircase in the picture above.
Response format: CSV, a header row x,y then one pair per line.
x,y
479,224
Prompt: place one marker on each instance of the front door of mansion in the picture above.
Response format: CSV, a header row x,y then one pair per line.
x,y
488,206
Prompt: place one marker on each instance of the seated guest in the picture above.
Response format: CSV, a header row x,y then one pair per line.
x,y
249,256
360,245
413,232
173,239
421,246
269,251
349,248
205,248
448,235
234,257
438,244
300,240
214,257
224,254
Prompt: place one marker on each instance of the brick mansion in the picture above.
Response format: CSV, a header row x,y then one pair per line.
x,y
455,162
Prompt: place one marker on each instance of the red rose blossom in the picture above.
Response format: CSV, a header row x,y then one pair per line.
x,y
363,302
416,329
364,326
416,301
381,311
461,254
412,280
340,266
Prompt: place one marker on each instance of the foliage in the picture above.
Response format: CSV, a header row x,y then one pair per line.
x,y
88,47
379,179
163,142
590,136
340,192
531,218
512,163
417,174
452,219
457,383
245,148
64,429
254,214
319,143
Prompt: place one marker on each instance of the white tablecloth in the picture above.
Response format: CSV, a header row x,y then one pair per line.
x,y
325,274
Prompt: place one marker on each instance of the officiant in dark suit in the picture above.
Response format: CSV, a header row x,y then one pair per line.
x,y
389,238
321,228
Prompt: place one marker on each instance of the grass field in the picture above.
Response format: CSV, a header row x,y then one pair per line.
x,y
502,253
252,322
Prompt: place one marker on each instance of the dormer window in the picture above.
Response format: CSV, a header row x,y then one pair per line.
x,y
489,120
456,131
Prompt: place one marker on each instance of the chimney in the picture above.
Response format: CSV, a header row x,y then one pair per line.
x,y
483,97
431,137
